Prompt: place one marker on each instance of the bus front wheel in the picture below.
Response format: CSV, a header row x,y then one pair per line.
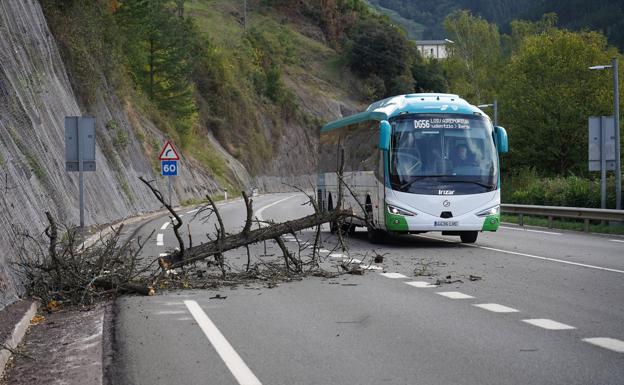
x,y
469,236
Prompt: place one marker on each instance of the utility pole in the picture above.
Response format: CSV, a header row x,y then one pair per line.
x,y
616,121
495,112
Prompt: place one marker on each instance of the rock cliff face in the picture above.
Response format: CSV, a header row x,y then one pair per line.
x,y
35,96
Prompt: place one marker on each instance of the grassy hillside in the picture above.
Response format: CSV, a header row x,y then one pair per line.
x,y
262,91
262,72
604,16
413,28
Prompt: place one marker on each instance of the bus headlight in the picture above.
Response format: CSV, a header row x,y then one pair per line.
x,y
397,211
491,211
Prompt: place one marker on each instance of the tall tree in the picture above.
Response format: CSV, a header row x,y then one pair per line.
x,y
549,93
475,57
378,50
160,46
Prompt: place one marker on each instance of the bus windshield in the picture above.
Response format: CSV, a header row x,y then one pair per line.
x,y
443,154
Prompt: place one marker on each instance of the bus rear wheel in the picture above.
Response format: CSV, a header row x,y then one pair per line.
x,y
468,236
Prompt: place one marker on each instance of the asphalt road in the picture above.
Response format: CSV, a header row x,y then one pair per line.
x,y
543,307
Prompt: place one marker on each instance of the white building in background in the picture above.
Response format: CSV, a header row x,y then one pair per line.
x,y
433,48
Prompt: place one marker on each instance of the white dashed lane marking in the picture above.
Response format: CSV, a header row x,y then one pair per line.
x,y
192,211
496,308
616,240
548,324
607,343
159,240
454,295
393,275
421,284
164,226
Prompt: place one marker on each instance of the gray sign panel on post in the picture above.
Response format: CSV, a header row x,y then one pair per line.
x,y
79,129
595,148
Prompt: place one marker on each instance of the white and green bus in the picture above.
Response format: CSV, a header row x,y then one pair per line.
x,y
415,163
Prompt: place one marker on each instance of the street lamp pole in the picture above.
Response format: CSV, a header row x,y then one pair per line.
x,y
616,124
495,112
495,107
616,120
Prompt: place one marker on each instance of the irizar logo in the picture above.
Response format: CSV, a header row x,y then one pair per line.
x,y
446,192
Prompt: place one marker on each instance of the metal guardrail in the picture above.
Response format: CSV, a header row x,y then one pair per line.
x,y
586,214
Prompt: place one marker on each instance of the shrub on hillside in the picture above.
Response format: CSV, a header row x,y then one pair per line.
x,y
527,187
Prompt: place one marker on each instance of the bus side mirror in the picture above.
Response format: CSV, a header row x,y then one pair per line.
x,y
501,139
384,135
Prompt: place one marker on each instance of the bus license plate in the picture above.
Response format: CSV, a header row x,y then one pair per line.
x,y
446,223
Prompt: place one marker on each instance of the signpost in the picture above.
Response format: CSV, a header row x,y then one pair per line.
x,y
169,163
602,150
80,151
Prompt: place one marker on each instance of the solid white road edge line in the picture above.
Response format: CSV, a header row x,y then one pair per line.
x,y
164,226
159,240
234,362
548,324
260,211
527,255
607,343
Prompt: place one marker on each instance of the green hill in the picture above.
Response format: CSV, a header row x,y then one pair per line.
x,y
605,16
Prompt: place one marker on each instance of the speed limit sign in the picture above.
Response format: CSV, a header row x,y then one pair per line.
x,y
169,168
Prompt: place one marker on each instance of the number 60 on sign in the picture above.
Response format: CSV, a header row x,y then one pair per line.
x,y
169,168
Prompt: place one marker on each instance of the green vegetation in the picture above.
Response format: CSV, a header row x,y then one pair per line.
x,y
528,187
413,29
380,53
565,224
160,45
191,67
475,59
126,189
550,133
539,75
36,167
121,138
606,16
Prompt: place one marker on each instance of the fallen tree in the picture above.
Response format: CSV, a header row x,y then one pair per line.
x,y
273,231
80,276
225,242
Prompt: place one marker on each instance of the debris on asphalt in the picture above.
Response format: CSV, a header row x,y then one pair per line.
x,y
218,296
